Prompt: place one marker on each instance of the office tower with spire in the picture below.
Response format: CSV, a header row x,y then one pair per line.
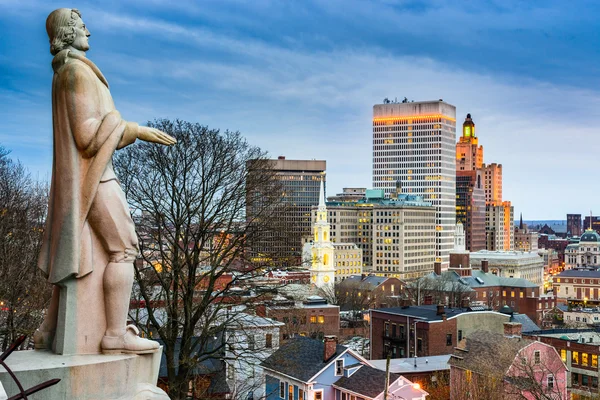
x,y
414,142
470,195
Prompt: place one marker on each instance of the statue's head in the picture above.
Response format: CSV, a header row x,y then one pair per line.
x,y
66,29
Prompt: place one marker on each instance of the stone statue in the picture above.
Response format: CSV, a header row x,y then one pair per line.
x,y
90,242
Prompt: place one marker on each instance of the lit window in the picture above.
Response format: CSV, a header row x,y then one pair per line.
x,y
321,319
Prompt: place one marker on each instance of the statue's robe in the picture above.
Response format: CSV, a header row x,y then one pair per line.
x,y
87,131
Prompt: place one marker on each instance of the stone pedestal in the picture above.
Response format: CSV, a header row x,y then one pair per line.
x,y
85,377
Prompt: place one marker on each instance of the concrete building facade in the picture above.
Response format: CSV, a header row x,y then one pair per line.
x,y
414,143
511,264
492,174
499,226
397,235
586,253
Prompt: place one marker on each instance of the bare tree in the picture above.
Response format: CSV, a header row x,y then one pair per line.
x,y
190,203
519,371
24,292
440,289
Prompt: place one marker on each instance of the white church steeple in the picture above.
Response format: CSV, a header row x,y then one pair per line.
x,y
322,270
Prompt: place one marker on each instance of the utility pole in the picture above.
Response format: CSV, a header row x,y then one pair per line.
x,y
387,375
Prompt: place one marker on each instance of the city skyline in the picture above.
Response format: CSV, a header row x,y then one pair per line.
x,y
300,80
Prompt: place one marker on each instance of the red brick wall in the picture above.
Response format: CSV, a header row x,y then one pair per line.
x,y
432,335
436,338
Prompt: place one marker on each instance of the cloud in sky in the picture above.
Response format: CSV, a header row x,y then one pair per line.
x,y
300,78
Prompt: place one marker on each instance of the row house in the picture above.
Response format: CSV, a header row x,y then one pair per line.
x,y
309,369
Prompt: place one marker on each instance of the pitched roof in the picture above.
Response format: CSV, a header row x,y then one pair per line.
x,y
479,279
301,358
575,273
527,325
367,381
480,347
370,282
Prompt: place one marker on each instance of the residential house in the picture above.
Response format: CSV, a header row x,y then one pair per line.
x,y
250,340
431,373
521,368
310,369
579,349
362,292
313,317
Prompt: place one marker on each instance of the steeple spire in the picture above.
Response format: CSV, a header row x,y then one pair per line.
x,y
521,222
322,196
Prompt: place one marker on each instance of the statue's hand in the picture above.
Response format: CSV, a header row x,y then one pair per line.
x,y
154,135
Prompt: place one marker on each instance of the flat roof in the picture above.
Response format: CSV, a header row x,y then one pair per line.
x,y
407,365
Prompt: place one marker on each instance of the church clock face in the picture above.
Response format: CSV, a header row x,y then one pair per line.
x,y
326,279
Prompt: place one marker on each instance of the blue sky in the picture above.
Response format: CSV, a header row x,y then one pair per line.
x,y
299,78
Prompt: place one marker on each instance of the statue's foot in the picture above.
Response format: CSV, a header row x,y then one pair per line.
x,y
43,339
128,343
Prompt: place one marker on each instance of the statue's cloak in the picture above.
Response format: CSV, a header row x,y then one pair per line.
x,y
87,131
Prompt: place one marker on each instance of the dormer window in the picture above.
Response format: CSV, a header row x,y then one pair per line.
x,y
339,367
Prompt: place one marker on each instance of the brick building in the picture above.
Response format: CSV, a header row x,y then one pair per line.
x,y
362,292
553,242
579,350
428,330
313,317
480,287
574,227
578,287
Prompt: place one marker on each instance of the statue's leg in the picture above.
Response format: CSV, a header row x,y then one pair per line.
x,y
118,280
44,336
109,217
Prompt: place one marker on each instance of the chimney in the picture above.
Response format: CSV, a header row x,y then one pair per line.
x,y
363,277
512,329
484,266
440,309
465,302
437,268
330,347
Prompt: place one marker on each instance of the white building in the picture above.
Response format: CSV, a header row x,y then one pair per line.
x,y
250,341
397,235
586,253
414,143
512,264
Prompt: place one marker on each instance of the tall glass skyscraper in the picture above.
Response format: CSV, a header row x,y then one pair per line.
x,y
414,142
